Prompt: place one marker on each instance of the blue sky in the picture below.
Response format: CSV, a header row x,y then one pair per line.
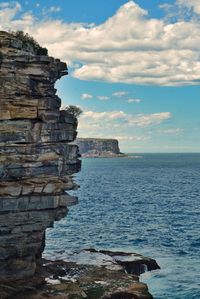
x,y
134,66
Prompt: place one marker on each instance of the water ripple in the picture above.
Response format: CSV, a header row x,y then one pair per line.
x,y
148,205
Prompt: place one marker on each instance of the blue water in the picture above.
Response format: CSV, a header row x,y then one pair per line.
x,y
149,205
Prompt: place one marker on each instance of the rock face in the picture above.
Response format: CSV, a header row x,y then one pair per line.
x,y
98,147
36,159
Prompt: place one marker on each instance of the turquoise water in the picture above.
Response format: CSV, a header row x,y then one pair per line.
x,y
149,205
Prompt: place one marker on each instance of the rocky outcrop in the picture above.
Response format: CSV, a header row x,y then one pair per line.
x,y
36,160
98,147
93,274
132,263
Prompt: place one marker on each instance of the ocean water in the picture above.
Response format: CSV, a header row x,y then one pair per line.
x,y
149,205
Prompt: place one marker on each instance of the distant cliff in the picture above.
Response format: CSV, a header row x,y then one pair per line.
x,y
98,147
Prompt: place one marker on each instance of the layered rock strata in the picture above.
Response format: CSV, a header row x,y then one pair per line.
x,y
98,147
36,160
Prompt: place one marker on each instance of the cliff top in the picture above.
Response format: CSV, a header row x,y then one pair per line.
x,y
20,41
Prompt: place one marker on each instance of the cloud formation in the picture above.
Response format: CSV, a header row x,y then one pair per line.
x,y
86,96
129,47
103,98
171,131
120,125
119,94
120,118
134,101
50,10
134,138
191,4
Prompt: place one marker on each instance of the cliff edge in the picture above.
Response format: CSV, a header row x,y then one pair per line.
x,y
98,148
36,159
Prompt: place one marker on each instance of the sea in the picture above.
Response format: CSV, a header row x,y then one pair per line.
x,y
144,203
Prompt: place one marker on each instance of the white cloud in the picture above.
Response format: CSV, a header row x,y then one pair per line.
x,y
54,9
171,131
143,120
86,96
103,98
8,11
117,123
134,101
120,93
4,4
134,138
106,115
47,11
191,4
121,117
129,47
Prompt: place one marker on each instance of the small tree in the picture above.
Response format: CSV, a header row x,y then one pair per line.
x,y
29,40
26,38
75,111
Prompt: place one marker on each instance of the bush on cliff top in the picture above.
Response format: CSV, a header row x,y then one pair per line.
x,y
73,110
28,41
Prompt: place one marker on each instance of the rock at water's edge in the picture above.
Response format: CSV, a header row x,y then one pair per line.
x,y
106,279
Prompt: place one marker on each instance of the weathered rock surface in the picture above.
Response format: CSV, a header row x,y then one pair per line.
x,y
132,263
36,160
104,277
98,147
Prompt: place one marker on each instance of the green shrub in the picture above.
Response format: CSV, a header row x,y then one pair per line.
x,y
28,40
73,110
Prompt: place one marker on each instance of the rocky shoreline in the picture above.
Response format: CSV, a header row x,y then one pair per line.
x,y
101,275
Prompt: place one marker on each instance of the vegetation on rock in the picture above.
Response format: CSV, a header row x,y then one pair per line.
x,y
75,111
28,41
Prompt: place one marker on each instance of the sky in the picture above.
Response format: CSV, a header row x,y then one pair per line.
x,y
134,66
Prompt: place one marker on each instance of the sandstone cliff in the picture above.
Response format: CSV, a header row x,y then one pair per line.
x,y
36,159
98,147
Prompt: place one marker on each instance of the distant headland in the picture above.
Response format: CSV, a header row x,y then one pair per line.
x,y
99,148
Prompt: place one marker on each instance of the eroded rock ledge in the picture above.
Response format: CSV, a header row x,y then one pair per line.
x,y
36,160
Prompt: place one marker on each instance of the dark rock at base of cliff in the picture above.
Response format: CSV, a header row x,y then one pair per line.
x,y
107,278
